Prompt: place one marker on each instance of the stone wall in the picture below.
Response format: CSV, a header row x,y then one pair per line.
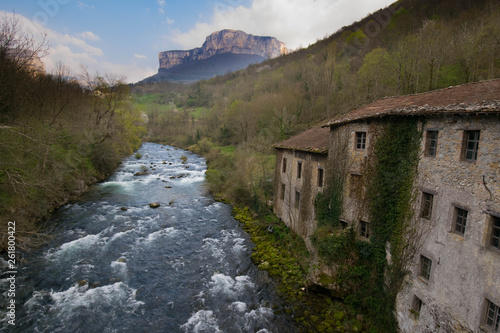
x,y
300,218
465,269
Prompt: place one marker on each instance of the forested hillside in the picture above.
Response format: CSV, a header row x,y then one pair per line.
x,y
56,135
411,47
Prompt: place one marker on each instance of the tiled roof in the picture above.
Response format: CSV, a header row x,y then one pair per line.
x,y
314,140
478,97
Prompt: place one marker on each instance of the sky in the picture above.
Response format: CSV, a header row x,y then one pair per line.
x,y
123,37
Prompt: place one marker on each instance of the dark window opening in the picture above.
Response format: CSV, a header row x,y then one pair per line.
x,y
320,177
460,220
495,232
360,140
425,267
470,146
416,306
427,201
493,316
297,199
299,170
284,165
364,229
431,143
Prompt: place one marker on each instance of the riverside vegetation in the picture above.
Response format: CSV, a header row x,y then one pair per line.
x,y
233,120
56,135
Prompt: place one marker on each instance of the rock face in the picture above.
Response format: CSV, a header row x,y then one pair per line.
x,y
221,42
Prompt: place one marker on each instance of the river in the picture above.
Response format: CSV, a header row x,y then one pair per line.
x,y
118,265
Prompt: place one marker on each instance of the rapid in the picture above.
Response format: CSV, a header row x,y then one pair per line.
x,y
117,265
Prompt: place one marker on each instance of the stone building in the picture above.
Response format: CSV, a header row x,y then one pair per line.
x,y
454,283
299,175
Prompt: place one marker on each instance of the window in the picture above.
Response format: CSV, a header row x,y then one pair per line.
x,y
320,177
431,141
495,232
297,199
470,146
299,170
284,165
425,267
492,316
364,229
283,189
360,140
427,200
416,306
356,183
460,219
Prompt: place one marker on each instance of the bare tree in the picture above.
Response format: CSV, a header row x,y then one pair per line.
x,y
20,47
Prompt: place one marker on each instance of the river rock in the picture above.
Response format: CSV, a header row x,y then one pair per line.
x,y
141,173
154,205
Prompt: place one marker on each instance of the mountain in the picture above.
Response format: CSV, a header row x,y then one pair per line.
x,y
222,52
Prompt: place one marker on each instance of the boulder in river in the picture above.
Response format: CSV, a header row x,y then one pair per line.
x,y
154,205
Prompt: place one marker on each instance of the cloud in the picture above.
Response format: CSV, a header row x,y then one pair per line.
x,y
170,21
89,35
83,5
75,51
161,3
294,22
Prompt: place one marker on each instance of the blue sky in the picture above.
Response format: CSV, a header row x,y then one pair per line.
x,y
125,36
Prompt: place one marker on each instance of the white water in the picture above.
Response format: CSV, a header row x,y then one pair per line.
x,y
182,267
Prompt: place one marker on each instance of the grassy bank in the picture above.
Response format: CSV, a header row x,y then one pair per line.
x,y
284,256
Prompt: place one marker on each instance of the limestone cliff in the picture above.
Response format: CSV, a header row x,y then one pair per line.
x,y
221,42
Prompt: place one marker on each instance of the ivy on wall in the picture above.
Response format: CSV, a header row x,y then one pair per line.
x,y
370,280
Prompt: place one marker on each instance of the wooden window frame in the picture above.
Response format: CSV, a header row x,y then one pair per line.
x,y
494,235
460,220
431,142
470,145
427,205
492,316
364,229
360,140
425,268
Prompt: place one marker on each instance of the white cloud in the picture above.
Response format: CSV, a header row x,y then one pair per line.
x,y
170,21
75,51
83,5
294,22
161,2
89,35
161,11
